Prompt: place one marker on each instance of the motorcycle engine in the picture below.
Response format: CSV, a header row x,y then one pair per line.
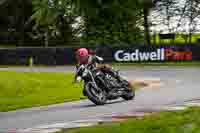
x,y
111,81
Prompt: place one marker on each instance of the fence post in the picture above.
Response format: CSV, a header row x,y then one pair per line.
x,y
31,61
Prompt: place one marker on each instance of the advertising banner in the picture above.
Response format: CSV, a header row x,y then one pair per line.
x,y
132,53
154,54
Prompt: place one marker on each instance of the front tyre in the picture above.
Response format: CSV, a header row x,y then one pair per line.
x,y
98,97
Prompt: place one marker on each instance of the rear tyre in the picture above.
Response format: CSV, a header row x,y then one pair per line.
x,y
128,95
129,92
97,97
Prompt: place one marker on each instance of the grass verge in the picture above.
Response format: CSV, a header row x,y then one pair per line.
x,y
179,39
186,121
31,89
28,89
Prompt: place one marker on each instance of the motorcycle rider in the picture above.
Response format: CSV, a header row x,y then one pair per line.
x,y
84,56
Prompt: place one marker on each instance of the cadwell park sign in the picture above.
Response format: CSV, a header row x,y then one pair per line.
x,y
159,54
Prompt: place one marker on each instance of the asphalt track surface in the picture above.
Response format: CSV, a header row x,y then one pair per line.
x,y
180,84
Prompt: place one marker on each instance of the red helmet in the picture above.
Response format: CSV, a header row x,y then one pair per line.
x,y
82,52
82,55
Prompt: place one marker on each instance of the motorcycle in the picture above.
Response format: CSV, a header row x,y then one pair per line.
x,y
100,86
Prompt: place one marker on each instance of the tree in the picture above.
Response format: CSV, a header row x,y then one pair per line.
x,y
14,15
54,19
192,13
110,21
183,16
168,9
146,5
45,18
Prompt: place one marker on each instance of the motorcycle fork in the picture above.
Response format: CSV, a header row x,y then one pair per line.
x,y
93,80
106,88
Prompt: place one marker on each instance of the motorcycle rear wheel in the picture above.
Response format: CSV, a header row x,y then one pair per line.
x,y
129,93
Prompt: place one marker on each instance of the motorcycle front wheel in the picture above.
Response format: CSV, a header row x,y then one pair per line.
x,y
97,96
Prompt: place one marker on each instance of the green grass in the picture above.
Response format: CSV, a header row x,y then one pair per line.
x,y
178,39
28,89
187,121
31,89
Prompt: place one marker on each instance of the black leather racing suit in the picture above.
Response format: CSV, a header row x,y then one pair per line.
x,y
95,60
